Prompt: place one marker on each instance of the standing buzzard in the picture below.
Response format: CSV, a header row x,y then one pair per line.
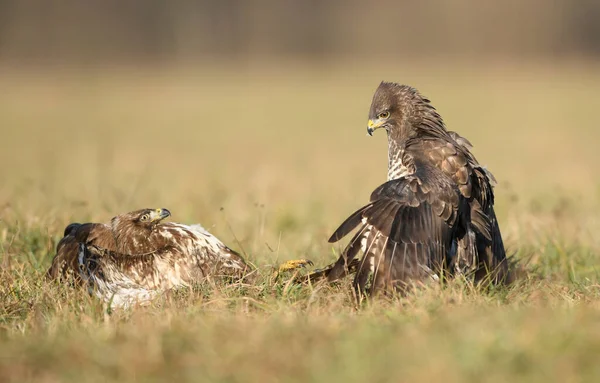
x,y
137,256
435,214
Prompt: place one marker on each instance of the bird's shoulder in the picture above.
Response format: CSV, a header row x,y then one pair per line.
x,y
97,234
453,159
452,156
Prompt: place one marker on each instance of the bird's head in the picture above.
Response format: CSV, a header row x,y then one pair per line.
x,y
395,108
144,218
134,232
150,217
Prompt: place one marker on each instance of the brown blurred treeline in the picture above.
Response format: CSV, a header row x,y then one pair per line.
x,y
88,31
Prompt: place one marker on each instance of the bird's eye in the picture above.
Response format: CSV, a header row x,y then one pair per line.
x,y
145,217
383,115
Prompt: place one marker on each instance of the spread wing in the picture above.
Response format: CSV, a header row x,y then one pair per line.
x,y
406,233
184,254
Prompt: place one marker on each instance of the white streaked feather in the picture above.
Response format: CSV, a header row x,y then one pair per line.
x,y
122,288
396,168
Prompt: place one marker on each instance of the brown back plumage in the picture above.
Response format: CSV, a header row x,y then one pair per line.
x,y
435,214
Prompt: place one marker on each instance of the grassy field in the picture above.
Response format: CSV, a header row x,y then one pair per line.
x,y
271,158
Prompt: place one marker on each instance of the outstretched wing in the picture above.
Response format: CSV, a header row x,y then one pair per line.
x,y
405,234
184,255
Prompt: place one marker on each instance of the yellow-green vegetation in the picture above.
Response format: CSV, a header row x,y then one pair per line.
x,y
271,158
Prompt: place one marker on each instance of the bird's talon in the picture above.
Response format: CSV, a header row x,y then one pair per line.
x,y
295,264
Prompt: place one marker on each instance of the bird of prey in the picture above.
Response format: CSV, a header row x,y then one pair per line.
x,y
433,217
137,256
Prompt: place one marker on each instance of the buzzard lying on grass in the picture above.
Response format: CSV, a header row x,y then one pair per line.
x,y
434,216
137,256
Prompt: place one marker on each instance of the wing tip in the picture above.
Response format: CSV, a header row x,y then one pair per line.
x,y
71,229
349,224
334,238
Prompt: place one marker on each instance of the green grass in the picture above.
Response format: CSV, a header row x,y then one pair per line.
x,y
271,160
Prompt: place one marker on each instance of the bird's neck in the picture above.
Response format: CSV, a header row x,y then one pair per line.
x,y
396,168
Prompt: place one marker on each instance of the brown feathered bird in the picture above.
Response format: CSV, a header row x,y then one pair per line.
x,y
434,216
137,256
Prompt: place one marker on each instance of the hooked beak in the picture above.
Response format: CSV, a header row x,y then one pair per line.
x,y
373,125
161,214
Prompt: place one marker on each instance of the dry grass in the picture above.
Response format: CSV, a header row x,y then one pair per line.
x,y
283,152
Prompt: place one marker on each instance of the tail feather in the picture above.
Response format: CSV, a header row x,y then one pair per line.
x,y
493,265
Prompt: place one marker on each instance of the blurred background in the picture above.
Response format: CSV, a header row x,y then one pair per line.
x,y
249,116
259,107
153,31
